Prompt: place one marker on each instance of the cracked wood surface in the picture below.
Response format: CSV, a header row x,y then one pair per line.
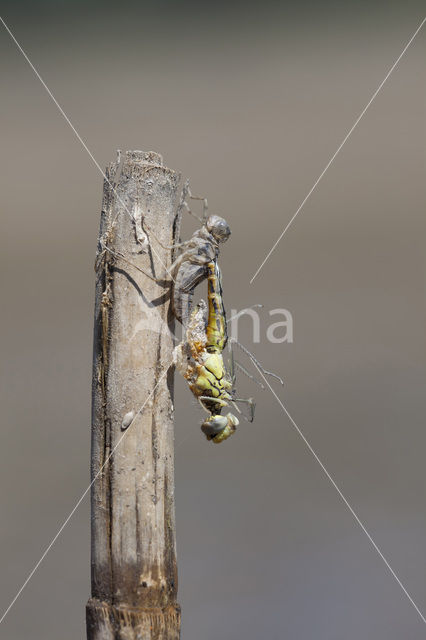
x,y
134,574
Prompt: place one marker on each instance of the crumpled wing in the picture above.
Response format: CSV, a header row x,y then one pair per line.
x,y
187,278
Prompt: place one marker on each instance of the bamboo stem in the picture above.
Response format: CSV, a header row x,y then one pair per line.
x,y
134,573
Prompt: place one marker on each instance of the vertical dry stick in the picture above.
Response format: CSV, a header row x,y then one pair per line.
x,y
134,581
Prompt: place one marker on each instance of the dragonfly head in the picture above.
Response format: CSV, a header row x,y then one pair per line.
x,y
219,428
219,228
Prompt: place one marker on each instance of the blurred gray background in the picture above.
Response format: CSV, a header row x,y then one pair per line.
x,y
249,101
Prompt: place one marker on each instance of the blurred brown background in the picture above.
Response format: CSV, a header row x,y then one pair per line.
x,y
250,101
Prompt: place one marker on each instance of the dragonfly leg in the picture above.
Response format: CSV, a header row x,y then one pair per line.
x,y
218,401
234,365
252,406
120,256
205,205
256,361
178,245
249,375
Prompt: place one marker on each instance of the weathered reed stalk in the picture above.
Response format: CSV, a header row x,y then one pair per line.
x,y
134,576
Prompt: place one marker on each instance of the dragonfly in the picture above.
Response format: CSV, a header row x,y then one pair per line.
x,y
190,257
199,358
